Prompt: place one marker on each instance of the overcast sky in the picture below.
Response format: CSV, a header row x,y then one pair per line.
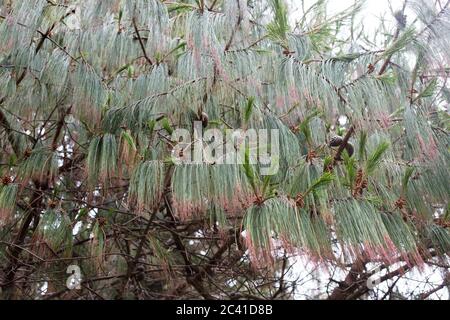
x,y
370,14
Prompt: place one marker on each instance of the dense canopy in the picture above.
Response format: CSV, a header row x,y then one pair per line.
x,y
91,92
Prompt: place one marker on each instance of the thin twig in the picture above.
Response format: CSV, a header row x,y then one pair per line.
x,y
141,43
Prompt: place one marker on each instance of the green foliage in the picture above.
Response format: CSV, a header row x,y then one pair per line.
x,y
8,195
346,57
405,39
278,219
447,213
129,140
97,245
279,26
248,169
402,235
362,145
439,237
166,125
55,230
361,227
375,158
406,178
429,89
305,126
199,187
249,109
321,183
38,164
102,157
147,184
87,109
350,167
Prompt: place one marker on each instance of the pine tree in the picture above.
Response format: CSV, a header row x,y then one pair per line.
x,y
92,91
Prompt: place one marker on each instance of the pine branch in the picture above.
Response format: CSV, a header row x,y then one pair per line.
x,y
236,27
341,149
396,35
141,43
9,132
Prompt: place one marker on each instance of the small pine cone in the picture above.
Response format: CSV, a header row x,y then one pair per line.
x,y
359,177
335,141
52,204
400,203
288,53
300,200
101,221
311,156
329,167
259,200
401,19
27,153
360,183
6,180
442,223
364,184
